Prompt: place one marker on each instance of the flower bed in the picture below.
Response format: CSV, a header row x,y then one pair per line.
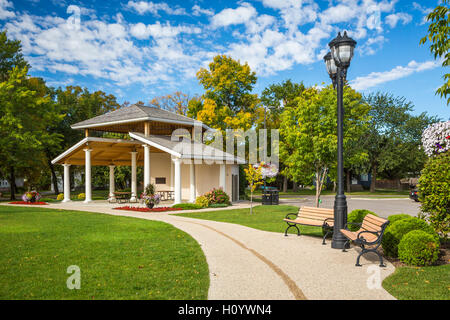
x,y
143,209
36,203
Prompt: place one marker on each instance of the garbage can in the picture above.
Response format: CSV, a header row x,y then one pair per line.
x,y
270,196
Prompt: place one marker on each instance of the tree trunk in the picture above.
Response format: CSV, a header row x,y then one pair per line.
x,y
54,178
12,183
373,178
399,185
251,201
294,186
285,184
349,186
334,186
317,189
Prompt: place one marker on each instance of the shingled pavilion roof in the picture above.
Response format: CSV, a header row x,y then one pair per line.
x,y
136,113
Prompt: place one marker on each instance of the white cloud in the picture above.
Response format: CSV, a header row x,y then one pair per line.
x,y
229,16
198,11
106,50
143,7
377,78
157,30
160,53
4,12
394,18
372,45
424,10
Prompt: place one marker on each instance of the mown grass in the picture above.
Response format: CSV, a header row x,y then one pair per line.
x,y
419,283
267,218
119,257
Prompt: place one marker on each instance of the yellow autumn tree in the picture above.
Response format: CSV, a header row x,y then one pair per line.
x,y
254,178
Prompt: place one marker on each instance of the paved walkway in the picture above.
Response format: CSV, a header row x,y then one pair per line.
x,y
246,263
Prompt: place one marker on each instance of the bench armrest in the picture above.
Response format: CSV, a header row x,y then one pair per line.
x,y
291,214
361,239
327,219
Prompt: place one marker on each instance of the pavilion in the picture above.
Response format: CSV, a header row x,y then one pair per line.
x,y
162,142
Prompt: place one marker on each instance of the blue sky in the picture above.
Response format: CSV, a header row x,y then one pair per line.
x,y
137,50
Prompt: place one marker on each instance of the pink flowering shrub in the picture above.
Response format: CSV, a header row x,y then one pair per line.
x,y
216,196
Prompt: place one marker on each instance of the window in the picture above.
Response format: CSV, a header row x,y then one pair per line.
x,y
160,180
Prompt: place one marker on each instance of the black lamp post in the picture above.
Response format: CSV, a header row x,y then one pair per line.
x,y
337,62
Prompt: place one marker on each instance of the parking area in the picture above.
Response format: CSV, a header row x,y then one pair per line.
x,y
383,207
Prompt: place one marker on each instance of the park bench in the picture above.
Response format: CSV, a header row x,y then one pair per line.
x,y
370,234
311,216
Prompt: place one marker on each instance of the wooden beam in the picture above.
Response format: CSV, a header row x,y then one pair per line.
x,y
147,128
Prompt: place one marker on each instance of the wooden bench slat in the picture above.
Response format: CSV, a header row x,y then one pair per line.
x,y
309,222
375,220
318,210
368,226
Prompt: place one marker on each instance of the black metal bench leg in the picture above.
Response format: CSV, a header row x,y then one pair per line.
x,y
324,237
359,256
292,226
381,259
345,245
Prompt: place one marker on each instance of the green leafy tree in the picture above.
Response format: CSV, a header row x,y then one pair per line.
x,y
393,138
439,37
275,98
309,133
77,104
10,56
25,114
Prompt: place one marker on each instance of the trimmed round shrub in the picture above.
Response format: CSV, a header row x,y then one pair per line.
x,y
81,196
418,248
395,217
357,216
394,234
60,197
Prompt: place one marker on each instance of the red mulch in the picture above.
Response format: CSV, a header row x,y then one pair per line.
x,y
29,203
143,209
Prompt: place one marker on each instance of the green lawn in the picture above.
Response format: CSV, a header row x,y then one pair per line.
x,y
119,257
267,218
419,283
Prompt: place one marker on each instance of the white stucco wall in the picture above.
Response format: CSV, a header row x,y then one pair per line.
x,y
207,176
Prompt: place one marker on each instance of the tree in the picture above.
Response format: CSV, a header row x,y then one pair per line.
x,y
177,102
393,138
227,101
229,83
254,179
25,114
10,56
439,36
276,97
309,133
77,104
